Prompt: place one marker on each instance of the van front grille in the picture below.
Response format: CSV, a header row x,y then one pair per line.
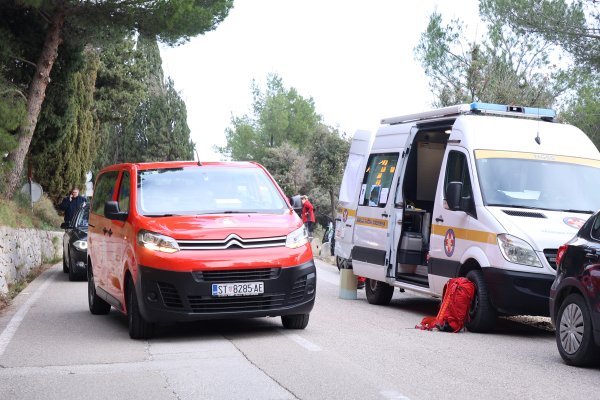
x,y
297,292
238,275
232,242
170,295
236,303
551,257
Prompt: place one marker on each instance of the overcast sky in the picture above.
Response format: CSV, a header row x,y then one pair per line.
x,y
354,58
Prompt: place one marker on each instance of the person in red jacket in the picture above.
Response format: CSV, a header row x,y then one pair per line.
x,y
308,215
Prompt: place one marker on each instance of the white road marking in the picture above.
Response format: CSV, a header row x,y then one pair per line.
x,y
393,395
307,344
16,320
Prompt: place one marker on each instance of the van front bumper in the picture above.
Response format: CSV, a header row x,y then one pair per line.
x,y
518,293
172,296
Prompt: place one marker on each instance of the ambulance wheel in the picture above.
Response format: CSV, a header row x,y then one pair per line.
x,y
379,293
482,315
339,262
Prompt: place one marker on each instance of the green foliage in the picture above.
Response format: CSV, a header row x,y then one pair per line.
x,y
503,68
150,122
583,110
279,115
63,148
286,135
18,213
573,25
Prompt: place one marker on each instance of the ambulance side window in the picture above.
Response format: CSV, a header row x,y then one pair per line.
x,y
596,229
457,170
377,180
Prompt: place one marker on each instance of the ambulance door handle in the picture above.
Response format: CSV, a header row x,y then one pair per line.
x,y
385,215
338,219
439,219
349,226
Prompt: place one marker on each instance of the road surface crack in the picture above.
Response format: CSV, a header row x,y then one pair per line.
x,y
149,356
262,370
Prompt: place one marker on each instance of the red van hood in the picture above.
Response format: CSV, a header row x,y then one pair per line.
x,y
216,227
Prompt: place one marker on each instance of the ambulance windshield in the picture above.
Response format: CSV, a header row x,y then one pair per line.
x,y
527,180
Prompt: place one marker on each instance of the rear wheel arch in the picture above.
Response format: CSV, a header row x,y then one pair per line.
x,y
563,294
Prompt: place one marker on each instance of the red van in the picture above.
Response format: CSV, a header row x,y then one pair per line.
x,y
184,241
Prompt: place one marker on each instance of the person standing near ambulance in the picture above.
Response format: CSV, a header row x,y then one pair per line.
x,y
71,203
308,215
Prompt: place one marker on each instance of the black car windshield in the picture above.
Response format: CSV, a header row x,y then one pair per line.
x,y
83,217
207,190
527,180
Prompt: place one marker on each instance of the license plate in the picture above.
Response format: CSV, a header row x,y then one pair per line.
x,y
238,289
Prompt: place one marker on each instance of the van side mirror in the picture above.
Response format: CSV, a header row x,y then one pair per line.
x,y
296,203
111,211
453,192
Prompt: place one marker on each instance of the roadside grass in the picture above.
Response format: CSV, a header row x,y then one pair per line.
x,y
18,213
15,288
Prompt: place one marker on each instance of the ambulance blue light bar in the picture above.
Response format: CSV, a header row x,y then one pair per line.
x,y
544,113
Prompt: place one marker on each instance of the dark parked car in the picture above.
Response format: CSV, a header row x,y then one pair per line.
x,y
75,244
575,296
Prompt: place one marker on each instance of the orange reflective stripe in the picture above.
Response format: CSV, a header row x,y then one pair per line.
x,y
465,234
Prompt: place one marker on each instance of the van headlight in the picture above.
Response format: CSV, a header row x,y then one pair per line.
x,y
157,242
296,239
80,245
518,251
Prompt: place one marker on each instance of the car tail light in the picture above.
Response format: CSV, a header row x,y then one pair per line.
x,y
560,253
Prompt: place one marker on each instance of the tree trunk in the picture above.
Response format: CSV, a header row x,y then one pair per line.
x,y
35,98
332,199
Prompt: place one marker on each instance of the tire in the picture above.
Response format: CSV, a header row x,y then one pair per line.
x,y
339,262
298,321
482,315
72,275
379,293
97,305
574,333
139,328
65,267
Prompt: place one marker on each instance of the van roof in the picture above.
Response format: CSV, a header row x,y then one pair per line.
x,y
179,164
545,114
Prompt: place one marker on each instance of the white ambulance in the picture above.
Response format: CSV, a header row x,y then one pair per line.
x,y
480,190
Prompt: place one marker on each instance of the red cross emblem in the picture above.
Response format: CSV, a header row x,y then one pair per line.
x,y
449,242
574,222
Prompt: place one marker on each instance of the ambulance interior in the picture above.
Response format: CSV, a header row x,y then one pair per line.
x,y
418,191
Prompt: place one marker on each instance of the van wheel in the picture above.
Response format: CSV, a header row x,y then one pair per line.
x,y
298,321
139,328
379,293
574,332
482,315
97,305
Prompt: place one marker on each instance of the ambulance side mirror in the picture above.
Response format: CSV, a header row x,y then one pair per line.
x,y
453,192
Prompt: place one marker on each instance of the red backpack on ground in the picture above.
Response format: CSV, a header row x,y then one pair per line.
x,y
454,311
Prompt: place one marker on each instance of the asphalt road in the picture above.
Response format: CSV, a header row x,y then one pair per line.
x,y
51,347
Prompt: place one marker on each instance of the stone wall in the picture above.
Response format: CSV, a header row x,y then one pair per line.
x,y
24,249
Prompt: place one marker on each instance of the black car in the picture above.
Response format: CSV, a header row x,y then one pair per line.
x,y
75,244
575,296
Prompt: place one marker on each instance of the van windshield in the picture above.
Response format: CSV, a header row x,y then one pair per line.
x,y
528,180
207,190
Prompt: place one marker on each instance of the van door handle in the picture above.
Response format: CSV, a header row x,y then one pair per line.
x,y
349,226
109,231
385,215
338,219
439,219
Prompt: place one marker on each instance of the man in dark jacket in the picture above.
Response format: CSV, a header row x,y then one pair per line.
x,y
71,203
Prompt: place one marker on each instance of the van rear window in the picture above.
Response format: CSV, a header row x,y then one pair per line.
x,y
207,190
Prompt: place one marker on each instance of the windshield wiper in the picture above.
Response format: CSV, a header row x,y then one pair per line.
x,y
228,212
160,215
516,206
